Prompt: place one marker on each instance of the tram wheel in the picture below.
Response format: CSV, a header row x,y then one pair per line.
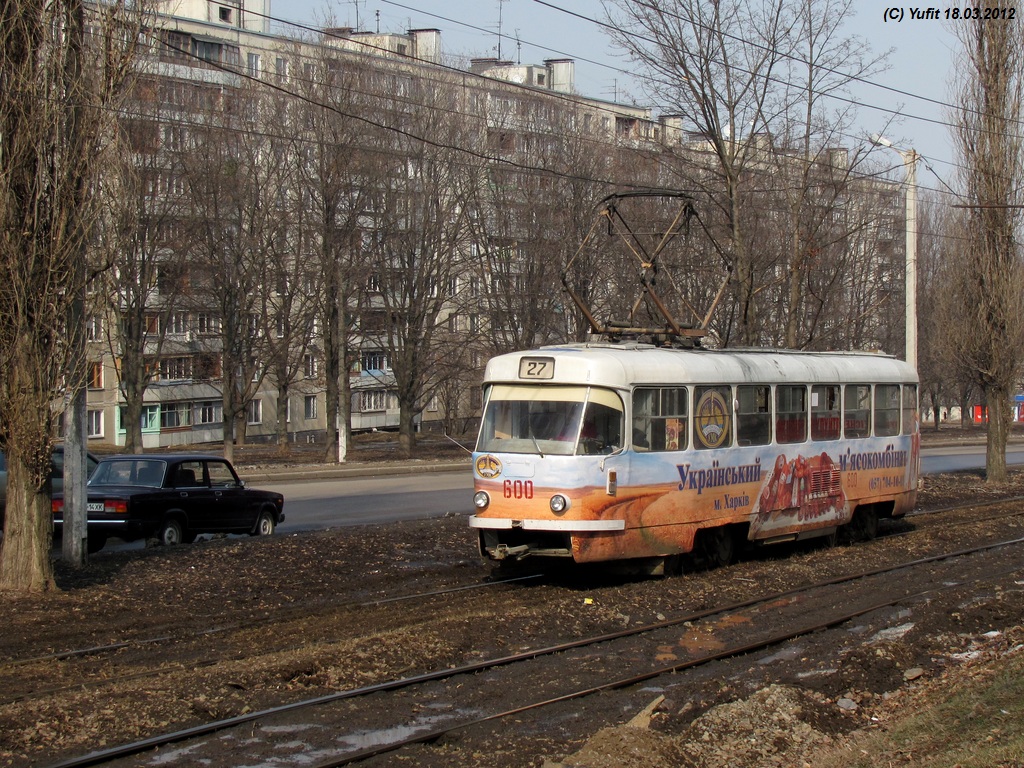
x,y
863,526
714,548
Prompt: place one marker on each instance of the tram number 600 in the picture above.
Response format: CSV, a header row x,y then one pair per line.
x,y
518,489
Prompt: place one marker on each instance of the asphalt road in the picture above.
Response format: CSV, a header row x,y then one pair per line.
x,y
315,504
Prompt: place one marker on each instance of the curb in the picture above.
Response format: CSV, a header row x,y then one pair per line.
x,y
259,474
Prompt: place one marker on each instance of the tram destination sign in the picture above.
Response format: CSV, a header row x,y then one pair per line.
x,y
537,368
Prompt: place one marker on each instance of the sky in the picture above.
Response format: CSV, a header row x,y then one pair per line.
x,y
922,52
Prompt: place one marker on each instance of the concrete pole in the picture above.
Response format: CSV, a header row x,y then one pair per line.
x,y
910,159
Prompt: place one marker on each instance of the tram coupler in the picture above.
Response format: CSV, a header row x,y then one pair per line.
x,y
504,551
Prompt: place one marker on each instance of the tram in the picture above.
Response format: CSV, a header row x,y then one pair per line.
x,y
642,453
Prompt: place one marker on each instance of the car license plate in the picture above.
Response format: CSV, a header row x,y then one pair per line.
x,y
94,506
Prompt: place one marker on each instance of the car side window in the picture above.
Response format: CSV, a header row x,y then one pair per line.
x,y
189,475
220,475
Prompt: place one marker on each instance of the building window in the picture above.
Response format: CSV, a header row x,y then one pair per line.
x,y
224,14
281,68
150,418
309,365
373,400
177,323
254,411
375,360
309,410
208,325
95,423
95,375
94,329
175,368
175,415
254,64
206,50
210,412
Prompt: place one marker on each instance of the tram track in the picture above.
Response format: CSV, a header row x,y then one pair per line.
x,y
743,645
209,661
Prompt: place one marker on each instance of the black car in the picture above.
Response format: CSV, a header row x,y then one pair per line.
x,y
172,498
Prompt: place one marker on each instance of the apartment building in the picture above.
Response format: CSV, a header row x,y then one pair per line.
x,y
206,60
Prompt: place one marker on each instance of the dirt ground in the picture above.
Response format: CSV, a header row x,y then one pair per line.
x,y
291,620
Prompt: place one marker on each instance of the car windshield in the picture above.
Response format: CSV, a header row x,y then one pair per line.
x,y
553,420
148,473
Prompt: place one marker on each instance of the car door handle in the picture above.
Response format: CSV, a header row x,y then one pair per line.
x,y
184,494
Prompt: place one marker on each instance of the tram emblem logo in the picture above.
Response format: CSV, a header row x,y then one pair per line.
x,y
488,466
712,419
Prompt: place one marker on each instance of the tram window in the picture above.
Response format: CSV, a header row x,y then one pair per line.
x,y
602,429
536,420
659,419
857,410
911,425
753,415
791,414
887,409
712,417
825,421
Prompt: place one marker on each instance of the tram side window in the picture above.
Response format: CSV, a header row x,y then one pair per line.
x,y
791,413
712,417
887,409
911,425
826,423
659,419
857,410
753,415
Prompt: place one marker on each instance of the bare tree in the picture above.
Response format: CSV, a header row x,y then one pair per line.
x,y
56,86
231,221
140,244
422,245
988,293
338,157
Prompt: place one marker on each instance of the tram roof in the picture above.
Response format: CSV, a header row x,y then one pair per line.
x,y
627,364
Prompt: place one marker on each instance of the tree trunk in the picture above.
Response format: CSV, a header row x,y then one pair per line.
x,y
406,430
998,402
28,534
284,447
133,423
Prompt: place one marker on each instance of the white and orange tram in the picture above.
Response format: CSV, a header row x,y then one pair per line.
x,y
630,452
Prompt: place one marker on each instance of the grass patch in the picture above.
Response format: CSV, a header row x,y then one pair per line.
x,y
975,721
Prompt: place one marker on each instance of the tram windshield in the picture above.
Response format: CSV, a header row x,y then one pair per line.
x,y
554,420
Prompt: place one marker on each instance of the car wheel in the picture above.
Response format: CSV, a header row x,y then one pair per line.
x,y
170,533
264,524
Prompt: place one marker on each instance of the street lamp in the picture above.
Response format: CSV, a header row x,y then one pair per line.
x,y
910,158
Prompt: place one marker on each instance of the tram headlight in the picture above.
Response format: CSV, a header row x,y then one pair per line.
x,y
481,499
559,504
